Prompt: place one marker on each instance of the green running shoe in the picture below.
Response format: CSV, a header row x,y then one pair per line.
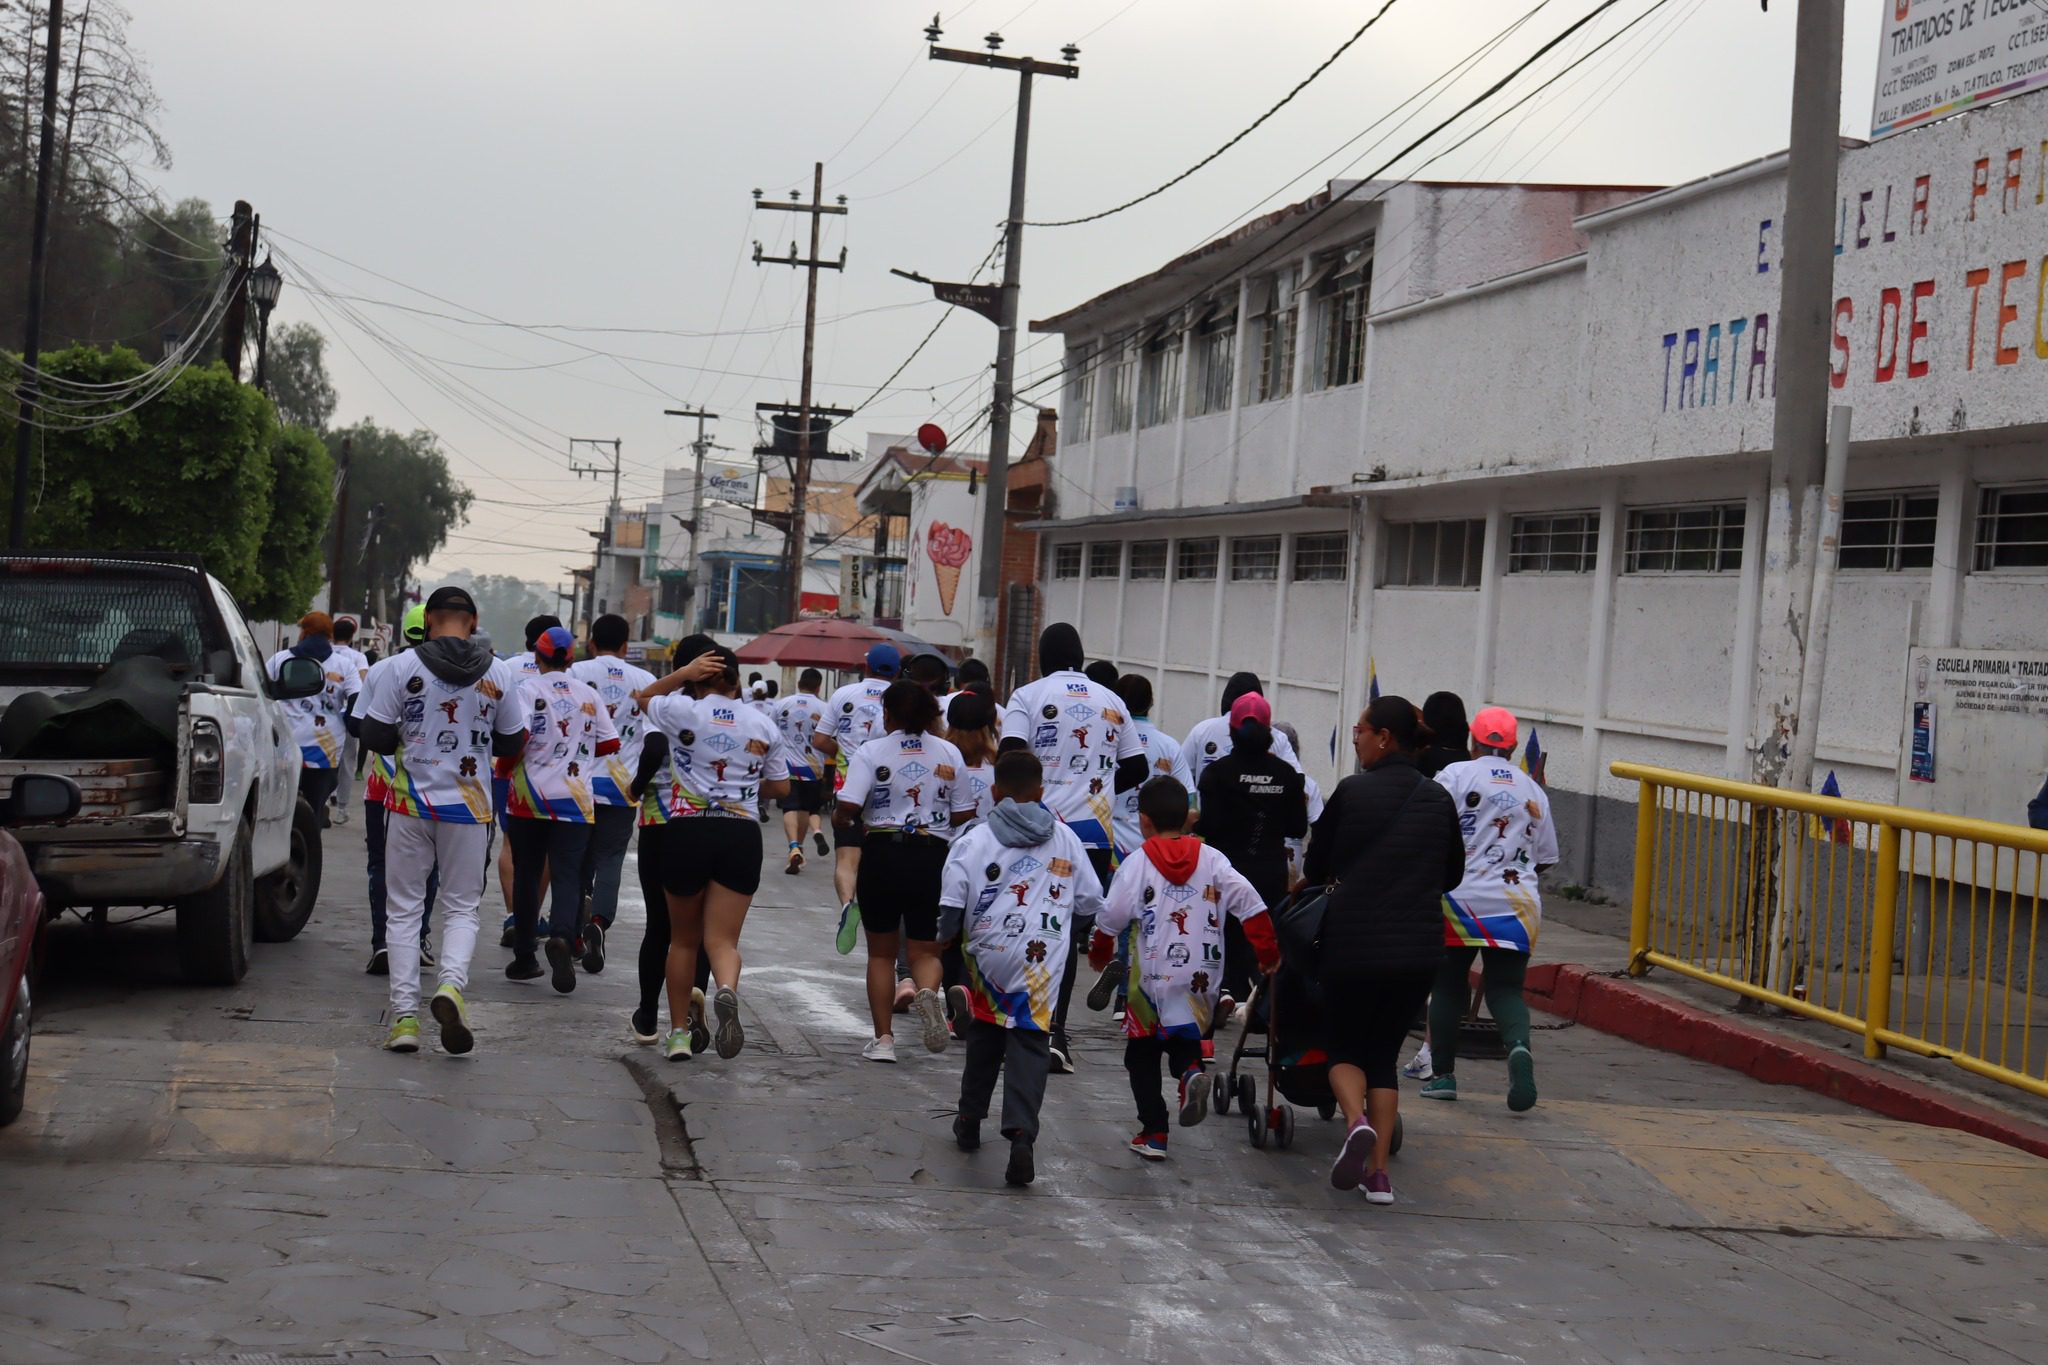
x,y
1521,1080
849,927
1440,1088
453,1017
677,1048
404,1035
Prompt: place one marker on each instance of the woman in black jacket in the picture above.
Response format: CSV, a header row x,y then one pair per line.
x,y
1444,714
1252,804
1389,839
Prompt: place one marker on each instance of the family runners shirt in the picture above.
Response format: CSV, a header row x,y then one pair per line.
x,y
1505,818
1179,952
1018,905
569,737
797,716
1080,731
1210,740
720,752
442,770
317,721
1162,759
853,716
615,681
910,782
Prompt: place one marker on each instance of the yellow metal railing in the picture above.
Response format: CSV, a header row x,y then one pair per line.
x,y
1910,928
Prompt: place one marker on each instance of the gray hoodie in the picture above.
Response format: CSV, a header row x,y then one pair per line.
x,y
455,660
1015,826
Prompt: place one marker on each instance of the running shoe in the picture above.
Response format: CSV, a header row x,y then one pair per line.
x,y
730,1036
563,963
882,1049
1104,989
1226,1005
453,1017
849,927
932,1012
427,958
906,995
1418,1068
1062,1056
1521,1080
1151,1146
510,938
337,815
796,860
646,1026
824,849
525,968
1379,1188
1440,1088
1208,1049
593,947
700,1029
961,1006
1349,1168
404,1035
1194,1097
966,1133
380,963
1020,1171
677,1047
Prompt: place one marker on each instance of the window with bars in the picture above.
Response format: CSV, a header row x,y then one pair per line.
x,y
1322,557
1066,561
1195,561
1554,542
1434,554
1106,559
1148,560
1159,375
1215,361
1122,372
1079,422
1341,293
1701,539
1254,559
1889,532
2012,529
1272,307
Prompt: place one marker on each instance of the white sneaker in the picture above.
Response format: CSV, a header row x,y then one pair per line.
x,y
1418,1067
932,1011
882,1049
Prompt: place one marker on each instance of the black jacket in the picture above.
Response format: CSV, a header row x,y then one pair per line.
x,y
1393,859
1438,757
1252,803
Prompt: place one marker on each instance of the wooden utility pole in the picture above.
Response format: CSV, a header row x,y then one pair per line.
x,y
996,488
241,255
800,479
335,597
32,341
696,527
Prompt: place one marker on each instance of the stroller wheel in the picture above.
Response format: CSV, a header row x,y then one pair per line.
x,y
1247,1095
1255,1125
1394,1143
1327,1110
1219,1100
1283,1126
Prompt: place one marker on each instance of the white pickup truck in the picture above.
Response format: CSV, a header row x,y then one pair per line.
x,y
189,796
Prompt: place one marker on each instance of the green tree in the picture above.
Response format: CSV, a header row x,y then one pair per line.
x,y
505,604
289,562
407,476
296,369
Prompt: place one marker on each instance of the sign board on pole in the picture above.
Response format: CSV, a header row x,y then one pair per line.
x,y
1940,57
1974,741
731,485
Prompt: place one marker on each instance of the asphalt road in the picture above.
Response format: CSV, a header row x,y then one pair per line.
x,y
207,1173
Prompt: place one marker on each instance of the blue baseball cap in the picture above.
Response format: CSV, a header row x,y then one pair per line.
x,y
555,643
885,660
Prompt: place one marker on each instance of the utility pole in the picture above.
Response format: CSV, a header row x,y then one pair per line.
x,y
241,255
800,480
989,567
32,342
609,540
335,596
696,527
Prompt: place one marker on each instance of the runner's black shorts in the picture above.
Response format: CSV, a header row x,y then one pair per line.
x,y
848,836
898,885
701,849
807,795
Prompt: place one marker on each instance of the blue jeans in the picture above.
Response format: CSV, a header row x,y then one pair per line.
x,y
373,840
606,862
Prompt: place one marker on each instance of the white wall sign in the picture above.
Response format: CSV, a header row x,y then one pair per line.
x,y
1975,736
944,535
1940,57
731,485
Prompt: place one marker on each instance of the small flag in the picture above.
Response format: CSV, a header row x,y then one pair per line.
x,y
1534,759
1829,828
1333,744
1372,687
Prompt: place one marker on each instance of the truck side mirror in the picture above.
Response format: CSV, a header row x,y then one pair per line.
x,y
298,677
40,796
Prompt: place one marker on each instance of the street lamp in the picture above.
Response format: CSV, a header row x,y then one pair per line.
x,y
265,284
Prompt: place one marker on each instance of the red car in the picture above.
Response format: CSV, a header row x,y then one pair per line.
x,y
34,797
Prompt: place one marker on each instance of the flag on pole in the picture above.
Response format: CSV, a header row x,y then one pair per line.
x,y
1372,686
1534,759
1841,831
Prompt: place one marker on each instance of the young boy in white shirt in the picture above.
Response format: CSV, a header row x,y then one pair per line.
x,y
1012,887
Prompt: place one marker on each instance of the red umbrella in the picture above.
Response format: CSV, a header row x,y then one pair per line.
x,y
827,642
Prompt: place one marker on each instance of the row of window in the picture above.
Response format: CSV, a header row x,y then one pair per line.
x,y
1141,376
1887,532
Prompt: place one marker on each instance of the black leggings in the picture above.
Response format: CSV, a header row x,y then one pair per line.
x,y
654,939
1366,1017
1141,1060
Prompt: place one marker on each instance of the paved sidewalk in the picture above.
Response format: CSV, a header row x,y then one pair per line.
x,y
206,1172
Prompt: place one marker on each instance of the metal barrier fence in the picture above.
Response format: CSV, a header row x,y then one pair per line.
x,y
1912,929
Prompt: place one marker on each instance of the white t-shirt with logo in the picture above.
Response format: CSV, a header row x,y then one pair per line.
x,y
356,660
1210,740
566,724
1179,956
980,781
317,722
796,716
442,770
1162,759
853,716
1505,818
1080,731
1018,906
615,681
908,781
720,752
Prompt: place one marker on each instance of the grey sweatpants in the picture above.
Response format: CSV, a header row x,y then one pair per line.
x,y
1025,1059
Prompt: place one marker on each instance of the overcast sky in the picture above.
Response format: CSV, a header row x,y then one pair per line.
x,y
592,164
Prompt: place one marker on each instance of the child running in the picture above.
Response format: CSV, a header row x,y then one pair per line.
x,y
905,786
1027,876
1177,894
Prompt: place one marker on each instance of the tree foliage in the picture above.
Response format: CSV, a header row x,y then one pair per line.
x,y
289,562
505,604
408,476
296,370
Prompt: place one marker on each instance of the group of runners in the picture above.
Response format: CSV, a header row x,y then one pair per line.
x,y
979,848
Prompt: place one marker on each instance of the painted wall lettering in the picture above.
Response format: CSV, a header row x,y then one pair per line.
x,y
1976,280
1887,347
2007,312
1916,330
1838,368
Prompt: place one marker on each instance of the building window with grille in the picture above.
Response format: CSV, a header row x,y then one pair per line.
x,y
1700,539
1340,291
1323,557
1159,374
1148,560
1106,559
1272,309
1080,415
1434,554
1554,542
1196,561
1254,559
1066,561
1215,358
1122,370
2012,529
1889,532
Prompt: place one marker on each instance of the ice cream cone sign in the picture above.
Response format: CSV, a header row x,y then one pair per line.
x,y
948,548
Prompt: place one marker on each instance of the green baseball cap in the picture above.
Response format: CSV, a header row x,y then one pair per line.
x,y
414,625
